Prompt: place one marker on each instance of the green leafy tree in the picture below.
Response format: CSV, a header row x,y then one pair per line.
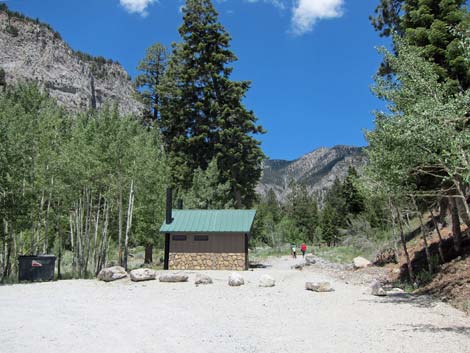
x,y
78,184
202,114
424,134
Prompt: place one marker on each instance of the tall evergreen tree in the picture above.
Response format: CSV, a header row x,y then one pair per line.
x,y
206,191
329,230
432,25
303,210
354,200
152,68
202,115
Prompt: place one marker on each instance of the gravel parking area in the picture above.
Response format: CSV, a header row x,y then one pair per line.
x,y
87,316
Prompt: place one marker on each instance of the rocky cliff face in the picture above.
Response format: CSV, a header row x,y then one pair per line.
x,y
318,170
32,51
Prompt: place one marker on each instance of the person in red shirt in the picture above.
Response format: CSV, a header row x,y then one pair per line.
x,y
303,248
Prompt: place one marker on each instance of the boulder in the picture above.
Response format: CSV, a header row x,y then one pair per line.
x,y
360,262
319,286
235,280
202,279
112,273
310,259
377,289
267,281
173,278
143,274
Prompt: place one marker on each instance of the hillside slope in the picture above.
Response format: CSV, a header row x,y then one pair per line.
x,y
33,52
317,169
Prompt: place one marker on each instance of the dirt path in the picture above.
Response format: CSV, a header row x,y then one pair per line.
x,y
90,316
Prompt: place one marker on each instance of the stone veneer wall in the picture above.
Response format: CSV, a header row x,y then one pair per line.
x,y
207,261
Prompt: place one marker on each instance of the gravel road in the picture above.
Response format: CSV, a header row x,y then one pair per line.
x,y
87,316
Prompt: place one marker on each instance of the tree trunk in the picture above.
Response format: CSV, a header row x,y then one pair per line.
x,y
103,247
120,228
424,236
95,237
441,251
45,247
443,208
148,254
462,205
403,241
72,244
425,241
394,231
130,209
6,265
457,234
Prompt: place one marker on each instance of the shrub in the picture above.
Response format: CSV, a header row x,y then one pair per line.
x,y
12,30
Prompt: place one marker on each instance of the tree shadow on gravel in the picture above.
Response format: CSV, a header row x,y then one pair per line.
x,y
462,330
421,301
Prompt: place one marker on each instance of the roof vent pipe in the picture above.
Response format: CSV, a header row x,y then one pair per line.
x,y
180,204
169,205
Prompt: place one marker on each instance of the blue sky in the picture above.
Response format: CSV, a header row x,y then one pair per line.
x,y
311,62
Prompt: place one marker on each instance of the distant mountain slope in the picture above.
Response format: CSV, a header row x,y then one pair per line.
x,y
317,169
31,51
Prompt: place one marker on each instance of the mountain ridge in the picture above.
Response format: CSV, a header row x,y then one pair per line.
x,y
33,51
317,169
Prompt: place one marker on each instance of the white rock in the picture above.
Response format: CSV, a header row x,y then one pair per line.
x,y
377,290
267,281
142,274
173,278
112,273
395,291
235,280
319,286
202,279
360,262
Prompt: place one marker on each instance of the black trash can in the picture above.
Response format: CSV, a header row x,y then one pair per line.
x,y
36,268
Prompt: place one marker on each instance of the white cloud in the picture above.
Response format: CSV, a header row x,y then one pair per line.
x,y
307,12
136,6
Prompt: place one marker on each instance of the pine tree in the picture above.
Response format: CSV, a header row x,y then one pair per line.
x,y
433,25
303,210
152,68
206,191
354,200
330,233
335,199
202,115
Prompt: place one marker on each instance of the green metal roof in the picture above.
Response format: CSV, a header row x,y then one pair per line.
x,y
210,221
